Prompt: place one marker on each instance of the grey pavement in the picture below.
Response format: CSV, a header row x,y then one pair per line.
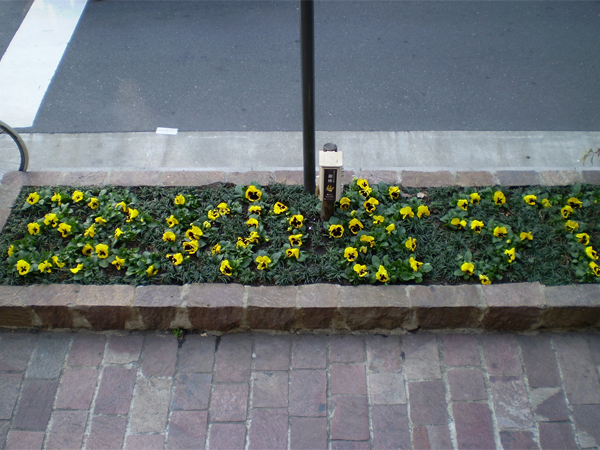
x,y
270,151
444,390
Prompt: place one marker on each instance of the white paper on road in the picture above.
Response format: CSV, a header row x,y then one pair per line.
x,y
163,130
27,67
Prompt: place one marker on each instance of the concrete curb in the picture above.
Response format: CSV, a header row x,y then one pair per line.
x,y
233,307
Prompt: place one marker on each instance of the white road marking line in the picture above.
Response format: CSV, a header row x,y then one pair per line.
x,y
33,56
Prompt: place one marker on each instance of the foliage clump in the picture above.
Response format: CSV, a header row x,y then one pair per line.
x,y
273,235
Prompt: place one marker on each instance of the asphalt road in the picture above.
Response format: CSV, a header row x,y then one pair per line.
x,y
380,65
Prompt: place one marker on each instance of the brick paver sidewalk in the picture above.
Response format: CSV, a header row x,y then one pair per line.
x,y
63,390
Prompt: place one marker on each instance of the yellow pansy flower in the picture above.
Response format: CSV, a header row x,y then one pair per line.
x,y
526,235
382,275
102,251
411,244
591,253
292,253
57,262
33,198
191,247
23,267
361,270
279,208
262,262
296,221
180,200
423,210
90,232
33,228
467,268
77,196
350,254
407,212
336,231
414,264
77,269
371,205
499,198
51,219
64,229
355,226
94,203
172,221
500,232
176,259
226,268
295,240
194,233
477,226
253,194
45,267
119,263
345,203
511,254
484,279
368,239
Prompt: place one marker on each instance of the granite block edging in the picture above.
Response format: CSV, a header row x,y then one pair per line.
x,y
318,307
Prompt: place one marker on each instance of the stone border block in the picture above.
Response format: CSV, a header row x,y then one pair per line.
x,y
134,178
560,177
84,179
518,177
15,178
105,307
427,179
214,306
52,303
591,176
245,178
573,306
446,306
191,178
513,307
378,176
289,177
44,178
157,305
271,307
371,307
317,304
473,178
8,194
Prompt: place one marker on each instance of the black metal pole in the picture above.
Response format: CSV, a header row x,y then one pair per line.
x,y
308,92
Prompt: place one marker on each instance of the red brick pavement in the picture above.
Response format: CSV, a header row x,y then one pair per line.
x,y
299,391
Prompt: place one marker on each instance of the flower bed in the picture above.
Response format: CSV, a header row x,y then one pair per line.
x,y
273,235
